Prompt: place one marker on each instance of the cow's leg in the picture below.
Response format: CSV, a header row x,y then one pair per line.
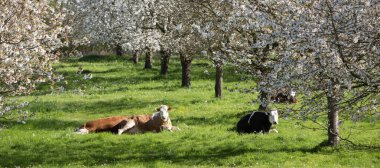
x,y
273,130
126,125
174,128
166,128
82,131
265,130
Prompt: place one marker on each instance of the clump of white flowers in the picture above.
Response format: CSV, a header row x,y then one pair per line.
x,y
31,32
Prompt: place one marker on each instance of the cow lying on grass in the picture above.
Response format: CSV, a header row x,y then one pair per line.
x,y
156,122
258,122
282,97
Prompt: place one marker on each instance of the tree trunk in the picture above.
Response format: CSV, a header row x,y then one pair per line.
x,y
218,81
135,56
148,59
165,55
186,69
119,50
264,99
333,127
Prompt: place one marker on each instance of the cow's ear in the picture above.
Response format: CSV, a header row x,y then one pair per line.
x,y
169,108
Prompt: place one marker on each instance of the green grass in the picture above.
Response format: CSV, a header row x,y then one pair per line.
x,y
206,138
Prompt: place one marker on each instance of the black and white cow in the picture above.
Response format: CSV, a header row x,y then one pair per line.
x,y
258,122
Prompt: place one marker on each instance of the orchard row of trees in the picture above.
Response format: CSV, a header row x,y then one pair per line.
x,y
328,50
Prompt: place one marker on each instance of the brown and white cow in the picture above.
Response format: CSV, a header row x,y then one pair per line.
x,y
156,122
282,97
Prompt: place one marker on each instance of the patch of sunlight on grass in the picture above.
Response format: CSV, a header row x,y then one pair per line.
x,y
207,137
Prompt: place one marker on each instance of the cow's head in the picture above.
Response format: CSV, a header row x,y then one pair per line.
x,y
273,116
163,110
292,93
292,97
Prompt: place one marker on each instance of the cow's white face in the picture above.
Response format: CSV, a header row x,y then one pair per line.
x,y
293,93
273,116
164,112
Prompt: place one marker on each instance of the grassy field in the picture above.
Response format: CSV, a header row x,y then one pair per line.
x,y
206,139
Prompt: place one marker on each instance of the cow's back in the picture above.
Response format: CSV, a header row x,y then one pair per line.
x,y
260,122
253,123
104,124
243,125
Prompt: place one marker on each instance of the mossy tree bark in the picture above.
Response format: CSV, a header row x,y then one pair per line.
x,y
186,69
165,56
148,58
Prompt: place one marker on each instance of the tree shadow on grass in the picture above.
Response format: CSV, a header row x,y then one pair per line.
x,y
198,70
204,121
107,84
112,70
98,107
101,58
52,124
95,150
102,82
225,119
